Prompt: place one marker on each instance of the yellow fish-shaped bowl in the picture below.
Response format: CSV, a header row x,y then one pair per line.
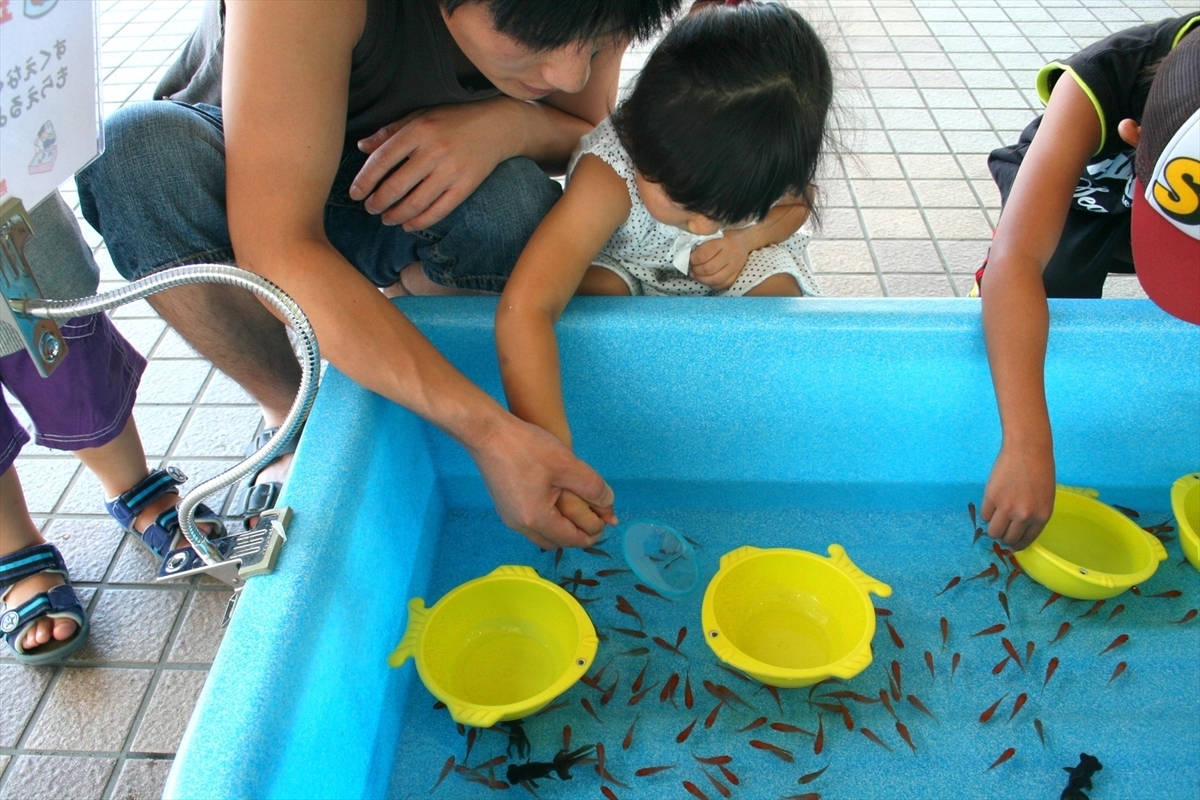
x,y
499,647
1185,502
1089,550
789,617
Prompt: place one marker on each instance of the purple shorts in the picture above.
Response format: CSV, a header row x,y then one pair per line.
x,y
84,403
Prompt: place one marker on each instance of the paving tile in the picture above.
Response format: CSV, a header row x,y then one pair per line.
x,y
131,625
907,119
926,60
847,255
142,779
938,79
43,481
964,256
158,426
85,497
21,688
218,431
945,194
949,98
90,709
851,285
923,167
87,545
173,345
958,223
201,632
897,98
141,333
173,381
840,223
906,255
886,78
919,286
873,165
888,223
919,141
57,777
170,708
1124,286
222,390
884,194
135,564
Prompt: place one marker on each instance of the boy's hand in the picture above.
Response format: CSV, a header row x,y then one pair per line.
x,y
718,263
1019,496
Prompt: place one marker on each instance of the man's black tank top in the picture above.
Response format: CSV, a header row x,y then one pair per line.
x,y
404,61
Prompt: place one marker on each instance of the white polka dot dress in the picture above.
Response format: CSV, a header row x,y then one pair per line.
x,y
644,251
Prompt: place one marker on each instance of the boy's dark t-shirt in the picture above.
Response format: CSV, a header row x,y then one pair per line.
x,y
403,62
1114,73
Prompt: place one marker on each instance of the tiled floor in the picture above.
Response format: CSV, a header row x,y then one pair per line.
x,y
927,88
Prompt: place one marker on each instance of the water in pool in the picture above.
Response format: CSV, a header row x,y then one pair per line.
x,y
1140,724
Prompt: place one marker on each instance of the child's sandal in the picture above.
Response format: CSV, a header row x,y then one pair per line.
x,y
163,534
59,602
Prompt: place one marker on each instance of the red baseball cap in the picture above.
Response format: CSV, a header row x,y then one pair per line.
x,y
1166,197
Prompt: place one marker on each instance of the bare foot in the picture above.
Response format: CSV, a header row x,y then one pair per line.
x,y
45,628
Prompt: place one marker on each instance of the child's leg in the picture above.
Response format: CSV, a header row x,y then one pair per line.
x,y
778,285
602,281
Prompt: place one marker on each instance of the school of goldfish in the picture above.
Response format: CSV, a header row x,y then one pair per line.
x,y
680,684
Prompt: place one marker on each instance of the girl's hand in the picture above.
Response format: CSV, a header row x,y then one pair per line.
x,y
439,155
583,514
718,263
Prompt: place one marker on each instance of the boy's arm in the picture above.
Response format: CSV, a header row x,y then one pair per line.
x,y
547,274
718,263
1019,496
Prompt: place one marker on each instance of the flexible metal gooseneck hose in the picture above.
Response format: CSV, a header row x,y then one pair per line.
x,y
310,359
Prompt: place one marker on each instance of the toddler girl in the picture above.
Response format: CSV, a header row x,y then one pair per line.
x,y
696,185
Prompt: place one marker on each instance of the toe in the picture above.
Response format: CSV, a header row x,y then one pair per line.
x,y
64,629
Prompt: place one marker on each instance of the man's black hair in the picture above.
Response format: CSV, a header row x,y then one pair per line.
x,y
729,113
550,24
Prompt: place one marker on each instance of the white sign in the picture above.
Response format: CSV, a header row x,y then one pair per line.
x,y
50,121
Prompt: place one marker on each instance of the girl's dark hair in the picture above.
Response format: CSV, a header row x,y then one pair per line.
x,y
550,24
729,113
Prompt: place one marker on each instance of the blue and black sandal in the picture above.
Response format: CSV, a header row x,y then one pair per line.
x,y
163,534
58,603
252,498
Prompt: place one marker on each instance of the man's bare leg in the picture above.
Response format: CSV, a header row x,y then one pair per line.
x,y
233,330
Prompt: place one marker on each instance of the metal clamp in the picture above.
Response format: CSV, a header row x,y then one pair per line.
x,y
41,337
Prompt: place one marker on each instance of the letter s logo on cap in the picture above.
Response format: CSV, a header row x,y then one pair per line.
x,y
1177,192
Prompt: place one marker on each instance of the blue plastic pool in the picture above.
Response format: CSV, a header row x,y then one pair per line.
x,y
777,423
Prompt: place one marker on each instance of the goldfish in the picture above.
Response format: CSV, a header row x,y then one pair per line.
x,y
626,608
741,676
1188,617
1012,651
955,660
1005,756
903,731
687,691
1054,598
1062,631
945,624
1020,701
1099,604
711,719
812,776
720,787
986,716
953,582
627,742
1120,607
1050,667
1115,643
774,692
1041,732
686,732
587,706
1003,598
636,634
644,589
608,573
449,765
1170,593
819,743
646,771
929,664
895,636
668,692
996,670
637,683
994,629
916,703
774,750
867,733
1120,668
713,760
694,790
883,697
784,727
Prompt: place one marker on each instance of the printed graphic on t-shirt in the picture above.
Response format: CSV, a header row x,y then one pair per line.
x,y
1106,186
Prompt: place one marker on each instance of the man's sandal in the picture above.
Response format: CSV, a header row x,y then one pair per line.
x,y
59,602
163,534
253,498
